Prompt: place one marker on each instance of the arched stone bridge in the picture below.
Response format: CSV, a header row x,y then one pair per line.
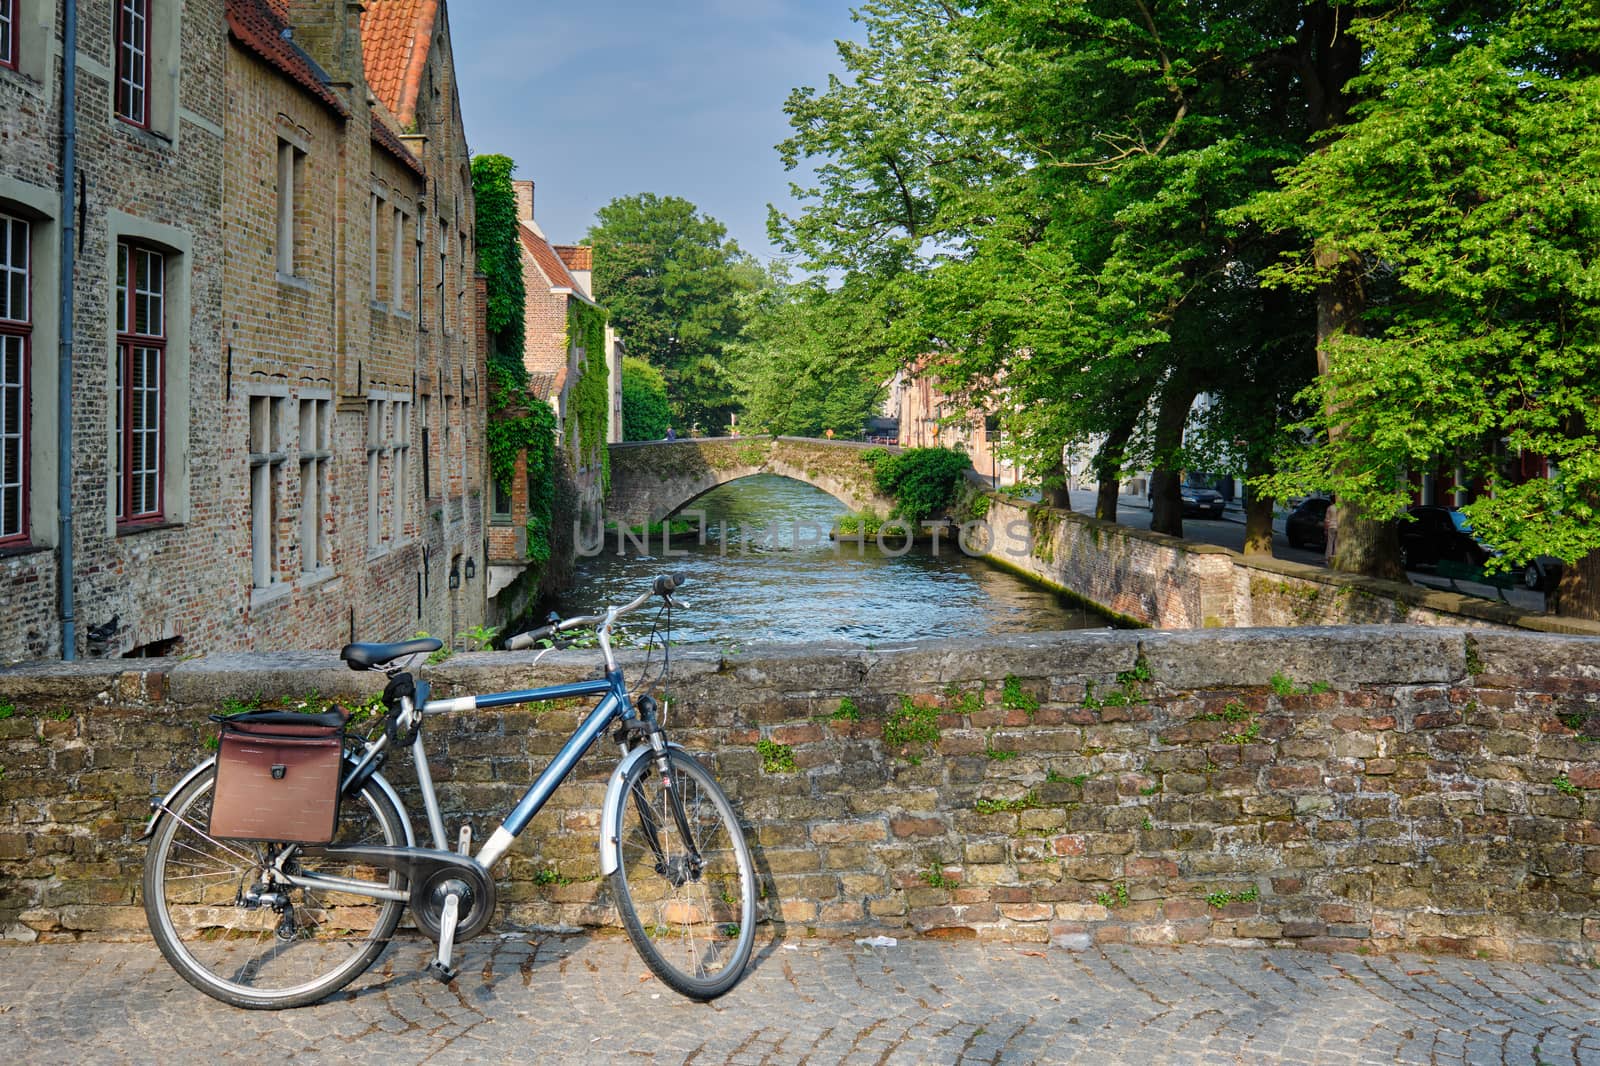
x,y
652,479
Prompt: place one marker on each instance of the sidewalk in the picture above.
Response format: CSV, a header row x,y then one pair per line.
x,y
589,1000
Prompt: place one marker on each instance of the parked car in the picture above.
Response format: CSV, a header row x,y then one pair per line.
x,y
1542,573
1201,503
1307,524
1438,534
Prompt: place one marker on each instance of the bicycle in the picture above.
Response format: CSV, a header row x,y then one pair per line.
x,y
267,925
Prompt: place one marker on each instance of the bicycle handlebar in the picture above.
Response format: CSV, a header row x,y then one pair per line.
x,y
664,585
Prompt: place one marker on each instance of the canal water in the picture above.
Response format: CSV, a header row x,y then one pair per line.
x,y
767,573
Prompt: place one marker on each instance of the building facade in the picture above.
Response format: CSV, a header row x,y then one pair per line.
x,y
276,402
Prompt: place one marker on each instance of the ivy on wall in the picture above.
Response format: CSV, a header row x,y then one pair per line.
x,y
499,255
519,421
589,400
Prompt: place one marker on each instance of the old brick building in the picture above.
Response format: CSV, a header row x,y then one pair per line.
x,y
149,528
557,298
277,407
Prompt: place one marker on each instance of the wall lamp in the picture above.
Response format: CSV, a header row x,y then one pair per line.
x,y
455,579
472,568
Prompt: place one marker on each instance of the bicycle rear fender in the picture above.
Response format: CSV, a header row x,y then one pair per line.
x,y
609,860
159,807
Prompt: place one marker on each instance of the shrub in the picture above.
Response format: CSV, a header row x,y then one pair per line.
x,y
645,414
923,481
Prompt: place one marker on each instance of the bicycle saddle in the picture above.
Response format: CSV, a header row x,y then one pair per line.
x,y
366,656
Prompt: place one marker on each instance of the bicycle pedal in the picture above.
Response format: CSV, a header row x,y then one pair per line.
x,y
440,972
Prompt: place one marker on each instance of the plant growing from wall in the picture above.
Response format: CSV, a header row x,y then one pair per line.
x,y
589,401
499,255
519,422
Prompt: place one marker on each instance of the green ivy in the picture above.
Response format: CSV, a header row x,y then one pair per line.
x,y
499,255
521,422
589,401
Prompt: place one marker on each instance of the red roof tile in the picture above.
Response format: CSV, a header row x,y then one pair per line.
x,y
395,38
549,263
258,27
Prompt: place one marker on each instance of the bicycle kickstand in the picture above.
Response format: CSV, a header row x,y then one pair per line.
x,y
440,967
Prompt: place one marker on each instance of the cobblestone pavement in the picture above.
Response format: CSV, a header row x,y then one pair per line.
x,y
577,999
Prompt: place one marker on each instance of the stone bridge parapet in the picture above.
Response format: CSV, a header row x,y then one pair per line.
x,y
652,479
1380,788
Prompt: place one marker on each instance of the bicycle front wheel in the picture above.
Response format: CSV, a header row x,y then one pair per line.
x,y
262,946
688,903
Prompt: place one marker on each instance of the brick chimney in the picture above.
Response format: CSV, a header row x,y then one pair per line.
x,y
524,191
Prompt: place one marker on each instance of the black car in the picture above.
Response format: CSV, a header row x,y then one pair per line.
x,y
1201,503
1306,526
1438,534
1542,573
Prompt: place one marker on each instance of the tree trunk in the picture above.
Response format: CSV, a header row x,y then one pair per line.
x,y
1356,544
1578,594
1108,468
1056,493
1166,508
1257,511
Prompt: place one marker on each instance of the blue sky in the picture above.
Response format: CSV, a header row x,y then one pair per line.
x,y
613,97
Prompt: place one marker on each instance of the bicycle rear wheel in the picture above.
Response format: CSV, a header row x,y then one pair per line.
x,y
689,906
272,954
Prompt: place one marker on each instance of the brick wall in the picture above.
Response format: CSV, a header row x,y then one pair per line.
x,y
1368,787
161,186
1169,583
313,334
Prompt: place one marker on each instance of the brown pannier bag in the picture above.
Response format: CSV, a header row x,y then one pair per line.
x,y
278,777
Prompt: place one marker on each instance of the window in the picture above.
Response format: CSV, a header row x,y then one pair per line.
x,y
132,83
400,436
16,321
397,257
291,181
141,377
372,248
267,454
316,452
8,33
502,502
388,454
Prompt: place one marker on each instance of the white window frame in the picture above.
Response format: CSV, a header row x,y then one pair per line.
x,y
316,486
268,452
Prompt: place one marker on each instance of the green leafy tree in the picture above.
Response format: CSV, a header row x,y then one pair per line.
x,y
801,368
1463,187
675,286
645,412
1038,189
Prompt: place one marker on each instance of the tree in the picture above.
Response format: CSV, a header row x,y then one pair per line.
x,y
675,286
1463,187
645,412
801,366
1041,188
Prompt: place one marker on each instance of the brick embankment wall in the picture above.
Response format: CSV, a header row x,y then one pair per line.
x,y
1367,788
1169,583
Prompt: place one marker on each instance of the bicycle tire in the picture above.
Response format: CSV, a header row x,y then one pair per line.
x,y
259,957
694,932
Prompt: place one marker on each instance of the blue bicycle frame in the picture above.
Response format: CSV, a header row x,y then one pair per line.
x,y
614,705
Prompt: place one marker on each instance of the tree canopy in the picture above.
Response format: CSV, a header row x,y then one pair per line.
x,y
1365,231
677,289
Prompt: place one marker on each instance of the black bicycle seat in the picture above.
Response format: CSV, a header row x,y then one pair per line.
x,y
366,656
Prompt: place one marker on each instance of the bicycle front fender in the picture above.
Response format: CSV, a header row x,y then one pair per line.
x,y
610,815
159,807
